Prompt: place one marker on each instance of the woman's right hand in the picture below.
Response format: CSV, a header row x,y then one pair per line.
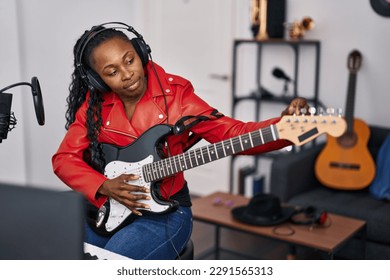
x,y
121,189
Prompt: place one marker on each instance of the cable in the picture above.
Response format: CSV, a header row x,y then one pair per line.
x,y
283,230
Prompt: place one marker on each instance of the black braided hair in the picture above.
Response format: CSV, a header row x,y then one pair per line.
x,y
78,89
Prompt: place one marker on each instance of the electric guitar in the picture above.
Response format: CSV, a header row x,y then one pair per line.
x,y
345,162
143,159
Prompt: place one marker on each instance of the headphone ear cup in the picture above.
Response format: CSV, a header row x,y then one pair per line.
x,y
309,216
142,50
96,82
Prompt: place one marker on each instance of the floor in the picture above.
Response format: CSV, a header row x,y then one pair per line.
x,y
236,245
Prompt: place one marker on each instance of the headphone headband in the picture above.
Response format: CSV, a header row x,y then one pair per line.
x,y
93,80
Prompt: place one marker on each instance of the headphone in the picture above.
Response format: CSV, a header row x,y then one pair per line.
x,y
91,77
309,216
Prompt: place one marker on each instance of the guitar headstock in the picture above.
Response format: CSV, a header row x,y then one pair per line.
x,y
354,61
304,128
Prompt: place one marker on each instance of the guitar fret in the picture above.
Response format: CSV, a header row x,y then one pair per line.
x,y
261,135
203,158
246,143
212,153
162,168
219,150
224,150
231,144
216,150
169,166
178,163
151,172
145,173
250,139
207,153
273,133
150,175
182,160
237,144
160,173
196,157
227,146
189,159
173,164
242,147
157,167
257,139
268,135
199,155
155,170
193,158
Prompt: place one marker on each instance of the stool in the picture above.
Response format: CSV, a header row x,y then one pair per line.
x,y
188,252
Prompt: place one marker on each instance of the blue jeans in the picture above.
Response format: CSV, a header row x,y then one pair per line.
x,y
150,237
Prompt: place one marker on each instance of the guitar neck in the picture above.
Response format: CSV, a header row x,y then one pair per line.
x,y
349,111
354,62
161,169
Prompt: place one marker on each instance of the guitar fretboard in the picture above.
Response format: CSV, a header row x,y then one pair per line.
x,y
167,167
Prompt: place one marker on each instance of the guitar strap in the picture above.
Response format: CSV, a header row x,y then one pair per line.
x,y
187,122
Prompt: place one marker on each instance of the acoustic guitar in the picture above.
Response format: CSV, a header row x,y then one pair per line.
x,y
143,158
345,162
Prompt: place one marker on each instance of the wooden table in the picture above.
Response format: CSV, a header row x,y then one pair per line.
x,y
324,238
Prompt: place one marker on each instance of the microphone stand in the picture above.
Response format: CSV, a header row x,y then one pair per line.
x,y
15,85
285,87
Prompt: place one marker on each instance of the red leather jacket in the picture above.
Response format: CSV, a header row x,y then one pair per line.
x,y
68,163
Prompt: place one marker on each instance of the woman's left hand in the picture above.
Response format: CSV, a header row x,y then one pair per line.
x,y
296,106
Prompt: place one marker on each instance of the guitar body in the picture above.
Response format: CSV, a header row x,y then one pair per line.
x,y
345,162
130,160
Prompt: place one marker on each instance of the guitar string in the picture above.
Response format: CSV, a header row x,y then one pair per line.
x,y
163,168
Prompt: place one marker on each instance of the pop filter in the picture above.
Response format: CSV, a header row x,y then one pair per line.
x,y
37,98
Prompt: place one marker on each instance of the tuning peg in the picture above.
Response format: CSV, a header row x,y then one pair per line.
x,y
312,111
320,111
339,112
330,111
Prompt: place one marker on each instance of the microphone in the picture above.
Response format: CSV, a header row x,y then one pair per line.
x,y
279,73
6,122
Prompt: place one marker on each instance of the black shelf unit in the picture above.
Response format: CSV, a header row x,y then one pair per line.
x,y
261,94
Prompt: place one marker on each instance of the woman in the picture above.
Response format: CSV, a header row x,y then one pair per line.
x,y
116,95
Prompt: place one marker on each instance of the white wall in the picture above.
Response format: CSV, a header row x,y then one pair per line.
x,y
38,37
12,150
